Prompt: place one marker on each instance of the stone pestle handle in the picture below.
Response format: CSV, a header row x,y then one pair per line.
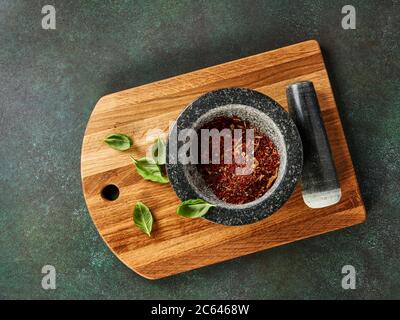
x,y
320,185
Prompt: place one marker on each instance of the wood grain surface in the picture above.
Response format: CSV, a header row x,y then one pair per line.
x,y
178,244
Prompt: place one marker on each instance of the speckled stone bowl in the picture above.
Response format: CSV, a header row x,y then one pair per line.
x,y
268,117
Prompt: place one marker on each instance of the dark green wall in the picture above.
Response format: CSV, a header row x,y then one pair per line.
x,y
50,81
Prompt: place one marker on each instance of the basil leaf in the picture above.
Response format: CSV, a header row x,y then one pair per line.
x,y
159,152
149,170
193,208
143,218
119,141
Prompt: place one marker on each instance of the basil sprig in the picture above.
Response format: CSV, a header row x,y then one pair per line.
x,y
193,208
143,218
119,141
149,170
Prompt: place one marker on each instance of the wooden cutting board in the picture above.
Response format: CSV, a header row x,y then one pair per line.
x,y
178,244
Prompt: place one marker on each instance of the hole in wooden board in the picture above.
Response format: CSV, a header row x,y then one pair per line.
x,y
110,192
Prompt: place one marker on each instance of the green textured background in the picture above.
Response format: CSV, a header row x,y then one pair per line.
x,y
50,81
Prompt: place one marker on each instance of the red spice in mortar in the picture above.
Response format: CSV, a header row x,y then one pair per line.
x,y
222,178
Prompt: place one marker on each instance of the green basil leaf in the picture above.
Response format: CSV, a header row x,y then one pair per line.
x,y
119,141
193,208
143,218
159,152
149,170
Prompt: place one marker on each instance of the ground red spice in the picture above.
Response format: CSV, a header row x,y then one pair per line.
x,y
222,178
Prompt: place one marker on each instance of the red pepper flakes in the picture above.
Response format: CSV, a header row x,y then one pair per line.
x,y
222,178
